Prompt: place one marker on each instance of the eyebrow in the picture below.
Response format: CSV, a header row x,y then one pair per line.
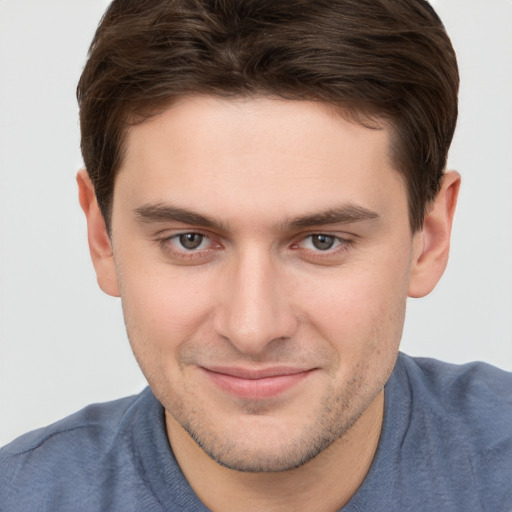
x,y
343,214
164,213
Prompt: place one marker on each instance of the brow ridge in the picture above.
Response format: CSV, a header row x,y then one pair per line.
x,y
161,212
344,214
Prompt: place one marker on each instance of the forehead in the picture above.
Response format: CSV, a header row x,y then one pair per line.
x,y
242,118
256,155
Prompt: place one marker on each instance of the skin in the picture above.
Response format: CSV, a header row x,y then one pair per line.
x,y
227,288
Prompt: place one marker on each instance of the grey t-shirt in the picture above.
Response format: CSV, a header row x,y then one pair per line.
x,y
446,445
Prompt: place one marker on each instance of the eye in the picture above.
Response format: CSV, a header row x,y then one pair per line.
x,y
323,242
320,242
187,244
191,241
189,247
324,248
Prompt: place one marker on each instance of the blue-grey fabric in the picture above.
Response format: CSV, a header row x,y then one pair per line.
x,y
446,445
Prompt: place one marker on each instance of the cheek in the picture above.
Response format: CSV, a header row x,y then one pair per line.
x,y
162,310
363,328
162,314
360,311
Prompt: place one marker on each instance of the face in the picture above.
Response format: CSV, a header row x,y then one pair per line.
x,y
263,254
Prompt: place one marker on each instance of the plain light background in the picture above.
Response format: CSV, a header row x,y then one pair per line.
x,y
62,342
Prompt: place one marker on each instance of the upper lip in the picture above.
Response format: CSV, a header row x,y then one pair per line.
x,y
256,373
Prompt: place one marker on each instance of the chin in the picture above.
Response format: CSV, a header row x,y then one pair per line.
x,y
265,460
264,448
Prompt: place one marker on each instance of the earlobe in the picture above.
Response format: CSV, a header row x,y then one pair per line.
x,y
431,246
100,245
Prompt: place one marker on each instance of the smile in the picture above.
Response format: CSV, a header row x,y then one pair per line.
x,y
256,384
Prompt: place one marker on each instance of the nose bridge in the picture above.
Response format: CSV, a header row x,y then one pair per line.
x,y
253,310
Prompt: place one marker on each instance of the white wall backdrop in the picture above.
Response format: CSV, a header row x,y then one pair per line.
x,y
62,342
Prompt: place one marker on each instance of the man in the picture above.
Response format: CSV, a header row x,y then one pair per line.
x,y
265,186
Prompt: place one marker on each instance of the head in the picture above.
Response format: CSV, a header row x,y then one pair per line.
x,y
265,188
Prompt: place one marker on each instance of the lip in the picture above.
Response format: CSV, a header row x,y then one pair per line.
x,y
256,384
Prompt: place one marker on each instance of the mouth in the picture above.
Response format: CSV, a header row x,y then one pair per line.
x,y
256,384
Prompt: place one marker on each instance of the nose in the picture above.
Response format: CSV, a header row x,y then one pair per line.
x,y
254,309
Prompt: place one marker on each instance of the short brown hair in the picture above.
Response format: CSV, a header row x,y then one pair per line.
x,y
389,59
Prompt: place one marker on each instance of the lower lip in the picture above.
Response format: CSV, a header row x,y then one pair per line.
x,y
256,389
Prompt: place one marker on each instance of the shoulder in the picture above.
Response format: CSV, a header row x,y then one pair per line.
x,y
468,391
74,453
100,419
463,413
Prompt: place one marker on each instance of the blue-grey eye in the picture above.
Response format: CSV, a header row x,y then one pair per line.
x,y
323,242
191,240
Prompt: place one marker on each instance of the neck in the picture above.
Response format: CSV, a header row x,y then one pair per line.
x,y
325,483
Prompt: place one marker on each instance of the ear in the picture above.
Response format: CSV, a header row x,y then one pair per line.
x,y
431,245
97,234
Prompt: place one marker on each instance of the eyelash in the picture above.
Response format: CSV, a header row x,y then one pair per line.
x,y
166,243
329,256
